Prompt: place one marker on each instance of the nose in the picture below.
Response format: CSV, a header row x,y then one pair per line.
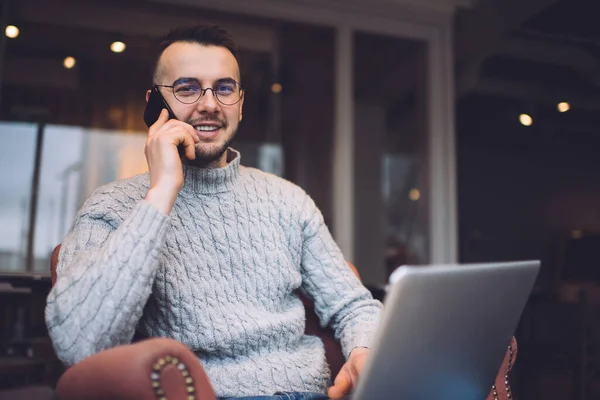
x,y
208,102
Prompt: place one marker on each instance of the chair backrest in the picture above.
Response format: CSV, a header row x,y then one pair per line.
x,y
53,263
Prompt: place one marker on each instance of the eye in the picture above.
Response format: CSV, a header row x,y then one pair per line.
x,y
187,89
225,88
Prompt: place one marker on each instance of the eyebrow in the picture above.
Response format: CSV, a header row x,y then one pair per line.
x,y
188,79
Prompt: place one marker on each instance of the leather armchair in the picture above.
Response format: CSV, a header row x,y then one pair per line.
x,y
163,369
150,369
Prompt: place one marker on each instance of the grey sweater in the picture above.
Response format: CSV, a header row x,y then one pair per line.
x,y
218,274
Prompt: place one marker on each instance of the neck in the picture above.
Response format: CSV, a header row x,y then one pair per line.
x,y
212,180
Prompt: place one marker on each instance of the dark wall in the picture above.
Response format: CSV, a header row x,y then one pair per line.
x,y
523,192
307,58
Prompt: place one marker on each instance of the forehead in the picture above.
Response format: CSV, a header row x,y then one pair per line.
x,y
193,60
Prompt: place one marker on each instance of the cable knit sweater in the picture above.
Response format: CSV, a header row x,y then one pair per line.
x,y
218,274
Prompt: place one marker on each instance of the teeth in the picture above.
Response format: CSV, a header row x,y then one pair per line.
x,y
206,128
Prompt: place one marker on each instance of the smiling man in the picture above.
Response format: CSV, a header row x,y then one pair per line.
x,y
208,252
215,118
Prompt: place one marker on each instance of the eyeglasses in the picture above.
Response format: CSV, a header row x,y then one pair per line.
x,y
188,90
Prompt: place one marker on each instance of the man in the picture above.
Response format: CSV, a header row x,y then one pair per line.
x,y
208,252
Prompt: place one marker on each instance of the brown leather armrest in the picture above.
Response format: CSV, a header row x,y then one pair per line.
x,y
54,263
137,371
503,391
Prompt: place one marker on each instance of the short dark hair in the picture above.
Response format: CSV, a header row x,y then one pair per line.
x,y
200,34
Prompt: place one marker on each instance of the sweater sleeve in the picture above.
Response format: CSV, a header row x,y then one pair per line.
x,y
341,300
104,278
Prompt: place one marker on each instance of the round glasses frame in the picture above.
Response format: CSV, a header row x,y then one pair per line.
x,y
202,92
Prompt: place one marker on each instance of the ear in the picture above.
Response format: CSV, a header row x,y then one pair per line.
x,y
242,104
147,95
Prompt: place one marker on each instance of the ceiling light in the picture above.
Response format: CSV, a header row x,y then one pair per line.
x,y
69,62
414,194
525,119
276,88
117,47
563,107
11,31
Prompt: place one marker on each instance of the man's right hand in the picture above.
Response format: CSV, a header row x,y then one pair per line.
x,y
164,162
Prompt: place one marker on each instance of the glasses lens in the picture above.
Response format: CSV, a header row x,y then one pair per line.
x,y
187,92
228,92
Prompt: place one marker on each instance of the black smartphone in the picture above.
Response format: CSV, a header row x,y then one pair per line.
x,y
154,106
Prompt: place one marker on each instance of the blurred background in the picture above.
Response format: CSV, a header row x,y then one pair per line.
x,y
425,130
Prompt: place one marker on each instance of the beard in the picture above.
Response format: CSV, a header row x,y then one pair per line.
x,y
208,154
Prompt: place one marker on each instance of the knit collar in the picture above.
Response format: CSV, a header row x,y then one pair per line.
x,y
212,180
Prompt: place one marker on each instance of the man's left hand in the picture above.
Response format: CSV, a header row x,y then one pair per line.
x,y
346,379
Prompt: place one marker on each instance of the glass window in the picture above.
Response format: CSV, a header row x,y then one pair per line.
x,y
75,161
390,153
17,155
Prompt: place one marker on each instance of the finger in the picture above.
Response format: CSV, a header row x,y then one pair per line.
x,y
192,131
185,126
190,147
163,118
176,135
342,385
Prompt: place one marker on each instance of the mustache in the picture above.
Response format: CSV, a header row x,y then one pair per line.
x,y
208,118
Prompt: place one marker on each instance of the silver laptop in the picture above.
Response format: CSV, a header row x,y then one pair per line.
x,y
445,330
